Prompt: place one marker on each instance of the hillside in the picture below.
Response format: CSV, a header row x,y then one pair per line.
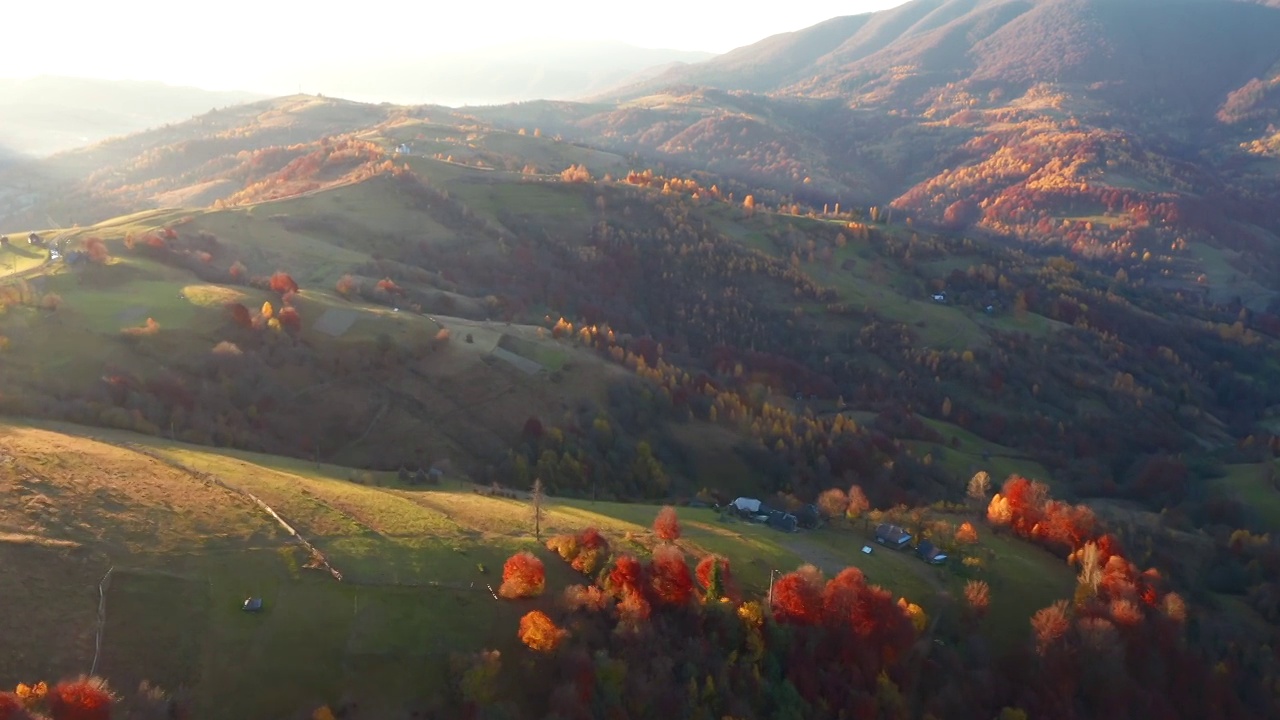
x,y
1140,51
186,544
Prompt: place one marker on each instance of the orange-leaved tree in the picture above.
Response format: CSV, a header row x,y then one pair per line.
x,y
833,502
977,594
85,698
539,632
523,576
667,526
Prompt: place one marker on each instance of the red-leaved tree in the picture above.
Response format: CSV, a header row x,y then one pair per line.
x,y
523,576
282,282
670,576
706,571
96,250
667,526
85,698
797,597
11,708
289,319
627,576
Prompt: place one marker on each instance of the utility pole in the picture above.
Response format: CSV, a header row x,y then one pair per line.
x,y
772,572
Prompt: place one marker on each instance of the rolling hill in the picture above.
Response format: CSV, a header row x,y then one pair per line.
x,y
185,542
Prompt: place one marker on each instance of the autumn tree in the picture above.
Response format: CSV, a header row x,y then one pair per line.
x,y
576,174
977,596
670,577
1049,625
667,526
267,311
593,552
796,597
980,486
586,597
13,708
85,698
347,286
539,632
833,503
96,250
289,319
858,503
283,283
239,314
627,576
966,534
523,576
716,579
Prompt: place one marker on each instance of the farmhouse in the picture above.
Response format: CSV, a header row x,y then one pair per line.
x,y
892,536
747,505
930,553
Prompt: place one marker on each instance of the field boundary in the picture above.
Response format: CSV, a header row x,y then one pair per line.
x,y
103,584
318,556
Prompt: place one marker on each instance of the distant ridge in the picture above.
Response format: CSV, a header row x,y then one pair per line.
x,y
48,114
1184,54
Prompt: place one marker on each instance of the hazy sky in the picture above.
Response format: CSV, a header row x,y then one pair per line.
x,y
253,44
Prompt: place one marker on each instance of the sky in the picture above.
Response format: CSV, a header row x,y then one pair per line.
x,y
256,45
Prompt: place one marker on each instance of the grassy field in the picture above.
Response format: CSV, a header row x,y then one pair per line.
x,y
973,453
1248,484
19,257
186,552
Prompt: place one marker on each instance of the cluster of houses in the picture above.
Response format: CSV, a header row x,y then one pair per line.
x,y
886,534
892,536
753,510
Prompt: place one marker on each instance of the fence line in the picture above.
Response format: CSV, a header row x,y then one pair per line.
x,y
214,479
102,617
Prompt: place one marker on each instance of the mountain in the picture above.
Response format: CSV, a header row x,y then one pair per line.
x,y
1181,54
1103,127
502,74
43,115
